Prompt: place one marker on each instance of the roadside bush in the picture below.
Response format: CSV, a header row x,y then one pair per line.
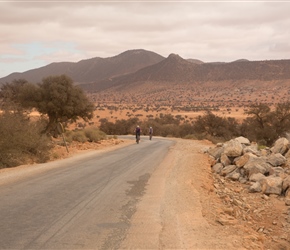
x,y
22,141
185,130
169,130
94,134
120,127
107,127
88,134
266,126
78,136
215,126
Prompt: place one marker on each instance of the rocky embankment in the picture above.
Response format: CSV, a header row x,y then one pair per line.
x,y
254,186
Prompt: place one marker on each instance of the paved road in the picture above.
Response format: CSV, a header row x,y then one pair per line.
x,y
84,203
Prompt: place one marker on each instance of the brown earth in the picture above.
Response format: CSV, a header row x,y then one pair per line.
x,y
202,211
205,210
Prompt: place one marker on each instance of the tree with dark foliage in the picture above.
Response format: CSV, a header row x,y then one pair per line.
x,y
265,125
55,97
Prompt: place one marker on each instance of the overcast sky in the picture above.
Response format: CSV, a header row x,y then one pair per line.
x,y
36,33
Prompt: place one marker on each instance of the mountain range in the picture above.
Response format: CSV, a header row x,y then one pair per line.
x,y
91,70
149,71
141,65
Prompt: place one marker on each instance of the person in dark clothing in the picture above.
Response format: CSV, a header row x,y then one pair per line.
x,y
138,132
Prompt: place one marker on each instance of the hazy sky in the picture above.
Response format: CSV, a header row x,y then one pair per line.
x,y
36,33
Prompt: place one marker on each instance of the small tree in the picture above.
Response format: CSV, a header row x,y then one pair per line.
x,y
260,113
281,118
55,97
61,101
216,126
18,95
264,125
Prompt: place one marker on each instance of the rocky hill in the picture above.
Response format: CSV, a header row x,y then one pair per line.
x,y
92,70
142,66
146,77
176,81
176,70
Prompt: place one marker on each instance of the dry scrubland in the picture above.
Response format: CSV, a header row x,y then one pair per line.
x,y
187,100
113,112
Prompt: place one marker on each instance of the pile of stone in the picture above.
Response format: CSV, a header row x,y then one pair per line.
x,y
265,170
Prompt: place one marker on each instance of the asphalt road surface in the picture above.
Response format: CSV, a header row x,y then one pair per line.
x,y
83,203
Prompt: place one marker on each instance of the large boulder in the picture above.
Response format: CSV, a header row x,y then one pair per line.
x,y
257,177
217,168
287,156
257,165
228,169
233,148
280,146
286,184
271,185
278,171
234,175
216,152
253,149
225,160
276,160
243,140
255,187
242,160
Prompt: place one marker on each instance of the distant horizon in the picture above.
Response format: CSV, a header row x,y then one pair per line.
x,y
20,72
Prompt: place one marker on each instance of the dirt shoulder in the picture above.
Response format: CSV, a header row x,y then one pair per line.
x,y
193,209
252,220
175,212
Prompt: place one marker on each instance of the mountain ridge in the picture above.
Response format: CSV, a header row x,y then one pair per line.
x,y
145,77
176,70
93,69
139,61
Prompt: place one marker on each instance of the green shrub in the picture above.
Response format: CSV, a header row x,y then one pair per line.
x,y
94,134
79,136
88,134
